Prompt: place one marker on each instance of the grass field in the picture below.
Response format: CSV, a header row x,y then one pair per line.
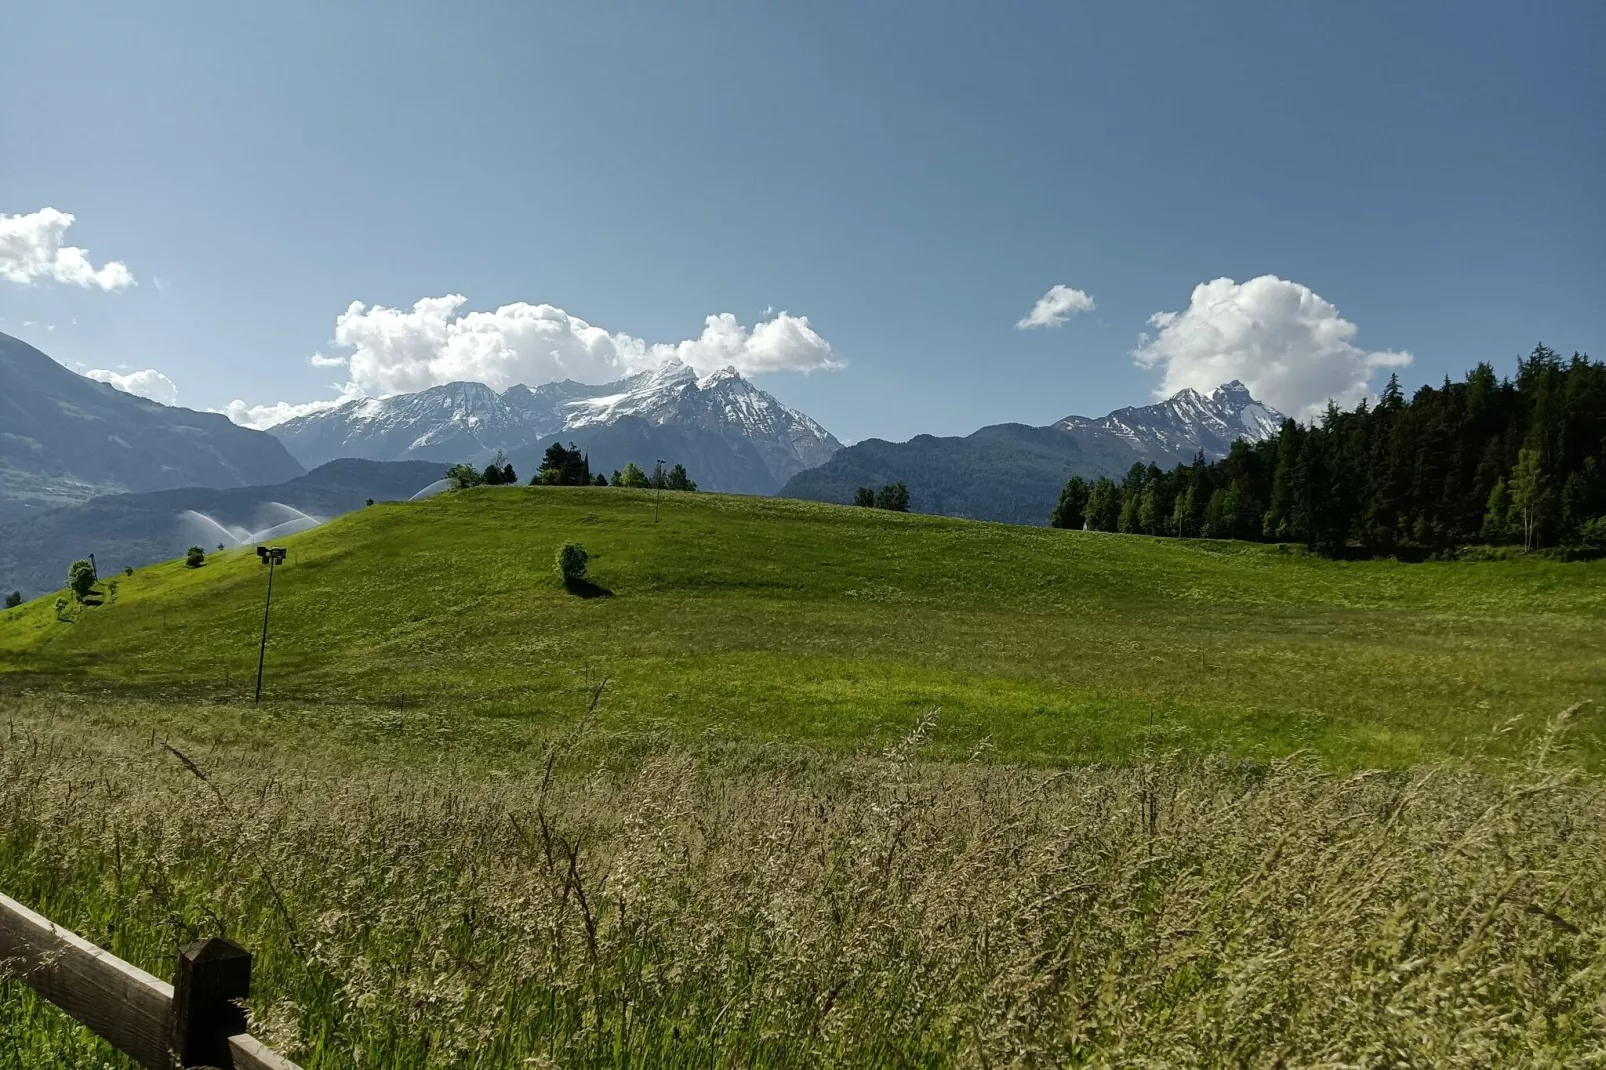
x,y
818,786
795,621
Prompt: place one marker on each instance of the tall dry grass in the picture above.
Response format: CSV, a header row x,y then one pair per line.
x,y
633,903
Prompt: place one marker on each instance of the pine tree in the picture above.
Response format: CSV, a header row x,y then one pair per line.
x,y
1071,512
864,497
1279,520
679,480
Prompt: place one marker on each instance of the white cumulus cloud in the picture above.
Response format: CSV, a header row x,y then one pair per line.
x,y
262,417
402,350
1055,307
148,383
31,247
1280,339
398,350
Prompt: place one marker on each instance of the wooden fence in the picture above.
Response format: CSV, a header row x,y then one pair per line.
x,y
192,1022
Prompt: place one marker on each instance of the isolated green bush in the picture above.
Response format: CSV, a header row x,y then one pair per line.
x,y
465,476
14,599
893,496
81,579
572,559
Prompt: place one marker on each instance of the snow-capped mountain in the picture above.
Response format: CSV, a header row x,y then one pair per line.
x,y
1013,473
1186,423
666,410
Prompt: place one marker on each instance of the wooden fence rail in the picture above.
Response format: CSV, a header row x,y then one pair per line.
x,y
193,1022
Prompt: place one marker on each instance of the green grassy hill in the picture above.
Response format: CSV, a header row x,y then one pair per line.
x,y
791,620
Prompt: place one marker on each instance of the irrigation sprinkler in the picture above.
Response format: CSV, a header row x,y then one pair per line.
x,y
660,477
270,556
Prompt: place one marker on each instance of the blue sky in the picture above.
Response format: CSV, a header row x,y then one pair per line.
x,y
909,178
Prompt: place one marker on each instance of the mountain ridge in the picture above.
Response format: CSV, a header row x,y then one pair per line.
x,y
469,421
1013,472
66,438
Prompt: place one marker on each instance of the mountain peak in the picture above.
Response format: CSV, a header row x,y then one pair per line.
x,y
1186,422
1234,390
724,375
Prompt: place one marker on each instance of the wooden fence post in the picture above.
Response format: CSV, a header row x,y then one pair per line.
x,y
211,975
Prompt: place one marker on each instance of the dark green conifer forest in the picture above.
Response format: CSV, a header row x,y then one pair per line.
x,y
1491,461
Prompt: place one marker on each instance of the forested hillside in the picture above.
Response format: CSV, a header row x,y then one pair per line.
x,y
1487,460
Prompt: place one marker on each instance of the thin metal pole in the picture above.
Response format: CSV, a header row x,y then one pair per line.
x,y
263,652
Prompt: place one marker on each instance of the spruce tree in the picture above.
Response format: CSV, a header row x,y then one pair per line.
x,y
1103,505
1071,512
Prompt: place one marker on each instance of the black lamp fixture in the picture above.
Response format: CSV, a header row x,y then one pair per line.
x,y
270,556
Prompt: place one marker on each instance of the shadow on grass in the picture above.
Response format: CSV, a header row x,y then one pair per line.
x,y
584,588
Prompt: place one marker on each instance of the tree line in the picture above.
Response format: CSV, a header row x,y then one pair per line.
x,y
893,496
1502,462
568,466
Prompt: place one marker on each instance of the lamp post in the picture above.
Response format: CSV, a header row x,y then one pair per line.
x,y
270,556
659,477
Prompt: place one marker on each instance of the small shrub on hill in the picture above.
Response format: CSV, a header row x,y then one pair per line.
x,y
195,558
14,599
572,558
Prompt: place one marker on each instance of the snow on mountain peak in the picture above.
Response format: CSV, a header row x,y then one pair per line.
x,y
724,375
1187,422
470,420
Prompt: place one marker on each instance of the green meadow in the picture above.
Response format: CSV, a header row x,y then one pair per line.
x,y
778,620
